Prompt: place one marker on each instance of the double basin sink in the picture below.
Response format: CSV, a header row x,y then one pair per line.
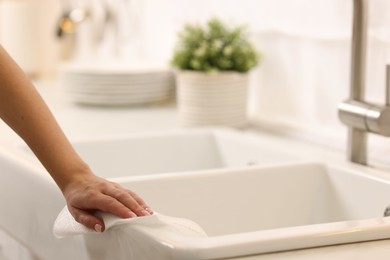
x,y
251,194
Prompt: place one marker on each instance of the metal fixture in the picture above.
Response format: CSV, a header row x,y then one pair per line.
x,y
362,117
67,26
69,21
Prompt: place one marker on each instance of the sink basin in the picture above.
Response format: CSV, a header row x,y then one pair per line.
x,y
276,204
179,151
260,210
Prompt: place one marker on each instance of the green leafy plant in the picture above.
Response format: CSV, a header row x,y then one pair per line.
x,y
214,47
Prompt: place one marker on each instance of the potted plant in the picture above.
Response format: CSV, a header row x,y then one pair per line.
x,y
212,64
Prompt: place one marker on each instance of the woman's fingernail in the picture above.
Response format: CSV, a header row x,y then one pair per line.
x,y
98,228
149,210
145,213
132,214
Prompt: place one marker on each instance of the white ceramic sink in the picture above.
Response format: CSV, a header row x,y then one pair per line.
x,y
245,210
178,151
260,210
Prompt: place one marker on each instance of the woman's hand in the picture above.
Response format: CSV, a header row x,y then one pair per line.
x,y
89,193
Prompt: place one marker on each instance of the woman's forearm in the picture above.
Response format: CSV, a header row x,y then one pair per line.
x,y
23,109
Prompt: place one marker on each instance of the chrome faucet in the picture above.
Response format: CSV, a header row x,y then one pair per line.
x,y
362,117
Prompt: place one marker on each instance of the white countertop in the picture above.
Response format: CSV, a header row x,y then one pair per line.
x,y
78,121
85,121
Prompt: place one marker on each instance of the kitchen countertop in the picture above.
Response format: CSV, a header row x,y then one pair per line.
x,y
85,121
78,121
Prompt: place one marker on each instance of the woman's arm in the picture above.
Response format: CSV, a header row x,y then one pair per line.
x,y
23,109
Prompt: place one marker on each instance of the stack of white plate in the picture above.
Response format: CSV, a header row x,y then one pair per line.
x,y
116,84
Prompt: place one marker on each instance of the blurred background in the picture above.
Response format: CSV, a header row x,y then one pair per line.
x,y
302,77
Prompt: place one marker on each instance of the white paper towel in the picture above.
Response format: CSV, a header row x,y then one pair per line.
x,y
134,238
65,225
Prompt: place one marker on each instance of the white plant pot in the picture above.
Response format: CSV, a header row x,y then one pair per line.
x,y
212,99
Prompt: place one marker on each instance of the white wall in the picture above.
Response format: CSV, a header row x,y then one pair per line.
x,y
306,47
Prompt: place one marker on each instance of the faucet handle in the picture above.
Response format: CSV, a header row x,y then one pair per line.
x,y
378,117
378,120
366,116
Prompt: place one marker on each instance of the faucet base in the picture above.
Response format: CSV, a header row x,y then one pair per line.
x,y
357,145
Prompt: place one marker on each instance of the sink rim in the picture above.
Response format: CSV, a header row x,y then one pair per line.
x,y
274,240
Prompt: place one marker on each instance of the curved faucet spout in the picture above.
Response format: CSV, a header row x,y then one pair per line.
x,y
359,46
361,116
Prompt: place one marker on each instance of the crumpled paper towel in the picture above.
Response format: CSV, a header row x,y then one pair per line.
x,y
65,225
129,239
